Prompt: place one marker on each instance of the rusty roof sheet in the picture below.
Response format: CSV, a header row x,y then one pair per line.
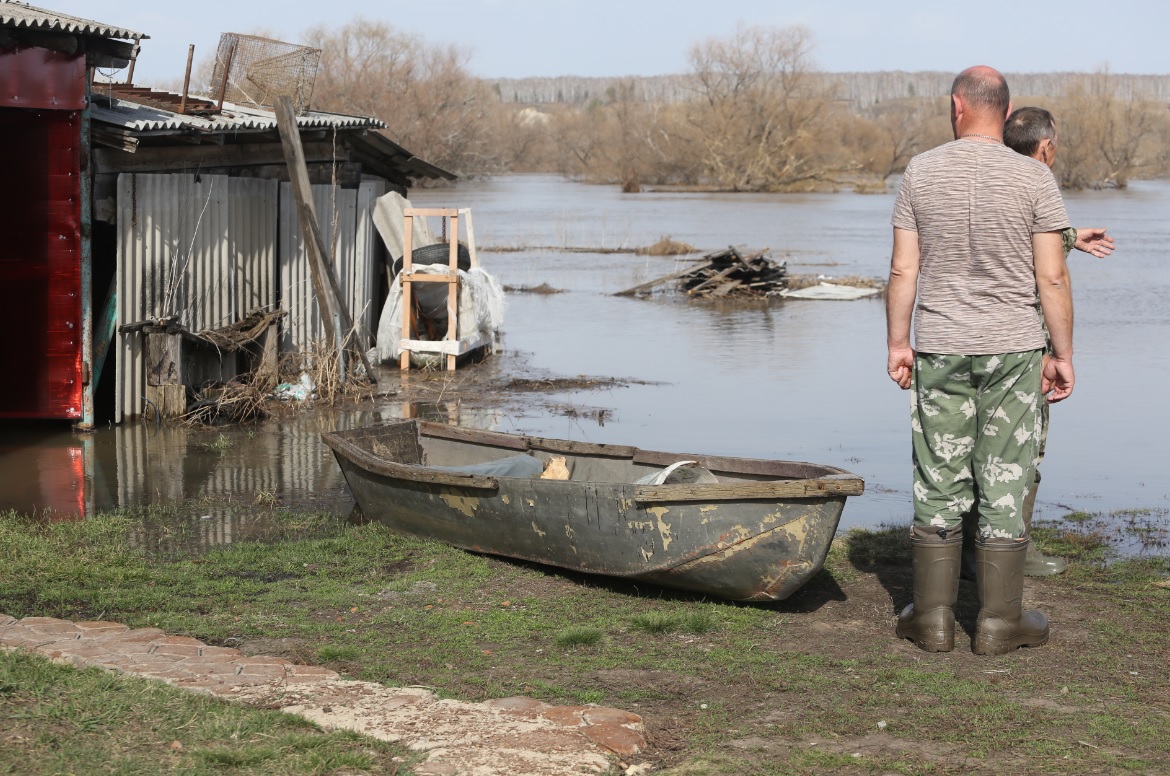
x,y
137,117
22,15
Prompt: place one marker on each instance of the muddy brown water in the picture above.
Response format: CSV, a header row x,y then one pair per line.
x,y
789,379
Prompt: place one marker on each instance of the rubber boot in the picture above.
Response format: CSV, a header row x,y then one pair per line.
x,y
930,621
1003,624
1037,563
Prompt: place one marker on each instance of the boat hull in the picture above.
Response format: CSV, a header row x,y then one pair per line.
x,y
742,539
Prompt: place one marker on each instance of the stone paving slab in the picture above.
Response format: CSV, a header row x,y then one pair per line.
x,y
502,737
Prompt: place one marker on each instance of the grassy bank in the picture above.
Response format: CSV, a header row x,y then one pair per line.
x,y
56,720
814,684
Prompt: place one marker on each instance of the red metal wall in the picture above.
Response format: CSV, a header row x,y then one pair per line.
x,y
40,243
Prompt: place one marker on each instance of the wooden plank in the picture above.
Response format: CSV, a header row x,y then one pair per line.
x,y
725,288
665,279
164,358
290,141
580,448
761,467
474,436
446,212
737,491
714,278
470,229
407,306
324,281
453,289
170,400
108,160
426,278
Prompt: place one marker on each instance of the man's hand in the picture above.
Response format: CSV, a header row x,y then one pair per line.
x,y
900,366
1094,241
1056,379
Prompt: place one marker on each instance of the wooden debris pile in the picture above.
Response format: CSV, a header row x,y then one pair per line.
x,y
725,273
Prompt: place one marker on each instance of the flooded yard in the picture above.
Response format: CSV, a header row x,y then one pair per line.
x,y
786,379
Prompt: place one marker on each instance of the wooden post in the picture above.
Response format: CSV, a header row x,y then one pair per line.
x,y
164,372
267,372
332,308
453,289
466,213
187,78
404,281
227,69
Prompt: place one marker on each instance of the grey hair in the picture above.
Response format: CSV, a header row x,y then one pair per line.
x,y
983,87
1026,127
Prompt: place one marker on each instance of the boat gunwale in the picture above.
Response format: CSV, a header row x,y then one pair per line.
x,y
833,483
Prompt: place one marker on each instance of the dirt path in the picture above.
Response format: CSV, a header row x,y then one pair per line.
x,y
509,736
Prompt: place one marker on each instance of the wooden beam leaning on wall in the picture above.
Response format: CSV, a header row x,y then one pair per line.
x,y
335,316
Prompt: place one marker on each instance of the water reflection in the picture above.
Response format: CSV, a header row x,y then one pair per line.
x,y
788,379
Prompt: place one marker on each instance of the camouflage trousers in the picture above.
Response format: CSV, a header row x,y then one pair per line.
x,y
977,429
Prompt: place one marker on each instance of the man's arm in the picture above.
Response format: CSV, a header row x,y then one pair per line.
x,y
1094,241
900,294
1055,289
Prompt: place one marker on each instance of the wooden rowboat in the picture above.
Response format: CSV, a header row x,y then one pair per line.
x,y
757,532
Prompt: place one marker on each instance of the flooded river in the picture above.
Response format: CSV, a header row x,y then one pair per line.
x,y
784,379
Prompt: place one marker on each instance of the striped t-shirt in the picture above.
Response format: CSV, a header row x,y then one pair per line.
x,y
975,206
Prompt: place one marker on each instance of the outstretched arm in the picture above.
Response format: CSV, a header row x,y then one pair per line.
x,y
900,294
1094,241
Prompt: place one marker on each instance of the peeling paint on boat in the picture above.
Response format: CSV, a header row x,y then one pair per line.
x,y
463,504
663,526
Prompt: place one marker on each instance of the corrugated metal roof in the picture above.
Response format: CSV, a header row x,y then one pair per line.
x,y
15,14
234,118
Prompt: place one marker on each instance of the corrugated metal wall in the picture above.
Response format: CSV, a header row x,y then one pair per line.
x,y
211,250
347,225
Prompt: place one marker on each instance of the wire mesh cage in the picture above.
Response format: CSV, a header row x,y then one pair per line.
x,y
257,71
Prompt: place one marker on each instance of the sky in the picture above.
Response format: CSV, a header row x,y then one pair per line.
x,y
521,38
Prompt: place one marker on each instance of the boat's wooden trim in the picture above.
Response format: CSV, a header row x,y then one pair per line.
x,y
473,436
833,485
523,443
363,459
581,448
793,470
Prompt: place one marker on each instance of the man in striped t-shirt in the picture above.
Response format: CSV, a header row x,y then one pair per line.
x,y
977,233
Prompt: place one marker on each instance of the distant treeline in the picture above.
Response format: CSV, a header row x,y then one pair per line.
x,y
861,90
752,114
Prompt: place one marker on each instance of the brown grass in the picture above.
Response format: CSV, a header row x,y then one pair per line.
x,y
665,247
543,288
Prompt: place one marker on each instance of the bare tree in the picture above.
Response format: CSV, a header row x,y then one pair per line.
x,y
758,108
1106,141
429,101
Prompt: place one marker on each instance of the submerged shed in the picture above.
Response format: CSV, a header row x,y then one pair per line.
x,y
150,208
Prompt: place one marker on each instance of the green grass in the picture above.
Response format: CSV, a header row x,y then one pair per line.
x,y
58,719
695,622
383,607
579,637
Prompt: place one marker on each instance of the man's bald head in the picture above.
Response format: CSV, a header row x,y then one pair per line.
x,y
983,88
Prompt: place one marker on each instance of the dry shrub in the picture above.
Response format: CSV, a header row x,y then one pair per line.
x,y
323,368
666,247
238,401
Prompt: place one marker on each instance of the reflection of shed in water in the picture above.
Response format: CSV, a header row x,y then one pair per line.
x,y
141,206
